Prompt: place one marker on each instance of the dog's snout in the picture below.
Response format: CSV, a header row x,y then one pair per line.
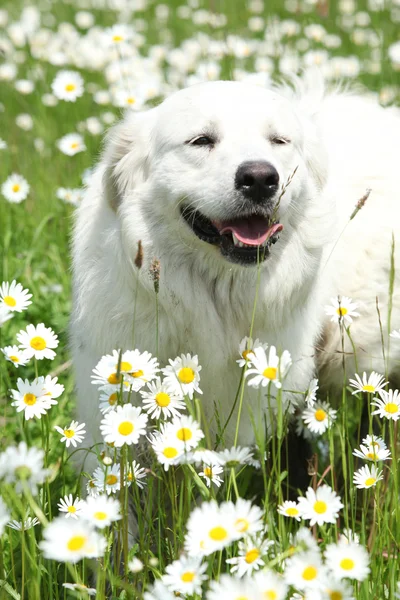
x,y
257,179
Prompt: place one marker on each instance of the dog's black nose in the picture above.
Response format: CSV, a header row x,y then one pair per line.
x,y
257,179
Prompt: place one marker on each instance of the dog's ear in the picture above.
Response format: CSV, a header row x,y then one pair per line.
x,y
126,153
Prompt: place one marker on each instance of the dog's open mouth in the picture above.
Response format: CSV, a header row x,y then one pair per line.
x,y
244,240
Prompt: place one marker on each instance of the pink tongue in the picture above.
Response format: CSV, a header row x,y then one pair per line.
x,y
254,231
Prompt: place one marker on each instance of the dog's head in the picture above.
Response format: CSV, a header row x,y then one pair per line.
x,y
223,167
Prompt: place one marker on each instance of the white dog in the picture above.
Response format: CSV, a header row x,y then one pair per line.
x,y
199,181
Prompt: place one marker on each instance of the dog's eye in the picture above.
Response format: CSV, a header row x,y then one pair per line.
x,y
279,140
202,140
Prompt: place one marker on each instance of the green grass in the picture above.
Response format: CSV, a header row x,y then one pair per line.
x,y
34,239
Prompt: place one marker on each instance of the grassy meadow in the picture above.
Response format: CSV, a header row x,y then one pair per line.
x,y
341,541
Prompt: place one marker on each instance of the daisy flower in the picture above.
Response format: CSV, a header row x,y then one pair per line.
x,y
15,189
22,464
338,590
182,375
395,334
70,541
135,474
232,588
347,559
372,385
250,555
101,511
372,453
23,525
268,370
306,571
128,98
246,350
342,310
4,515
210,528
321,506
377,442
31,398
234,457
305,539
71,144
367,477
247,518
211,474
139,367
118,34
108,480
124,425
80,587
67,85
108,399
71,196
15,355
319,418
38,341
348,535
70,506
158,591
388,405
135,565
73,434
311,394
290,509
159,401
185,429
185,576
270,585
50,386
168,449
14,297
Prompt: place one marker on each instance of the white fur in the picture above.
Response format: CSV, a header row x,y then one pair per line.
x,y
340,144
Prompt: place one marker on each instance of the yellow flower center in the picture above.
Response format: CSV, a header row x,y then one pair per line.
x,y
335,595
320,507
184,434
30,399
162,399
114,379
370,481
372,456
309,573
112,399
111,479
71,509
391,408
137,373
368,388
320,415
131,100
76,543
70,87
246,353
270,595
252,555
38,343
69,433
208,472
124,366
125,428
188,576
186,375
218,533
9,300
170,452
270,373
341,311
100,515
347,564
292,511
117,38
14,358
242,525
16,187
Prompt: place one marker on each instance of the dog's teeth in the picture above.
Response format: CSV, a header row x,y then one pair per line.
x,y
236,241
